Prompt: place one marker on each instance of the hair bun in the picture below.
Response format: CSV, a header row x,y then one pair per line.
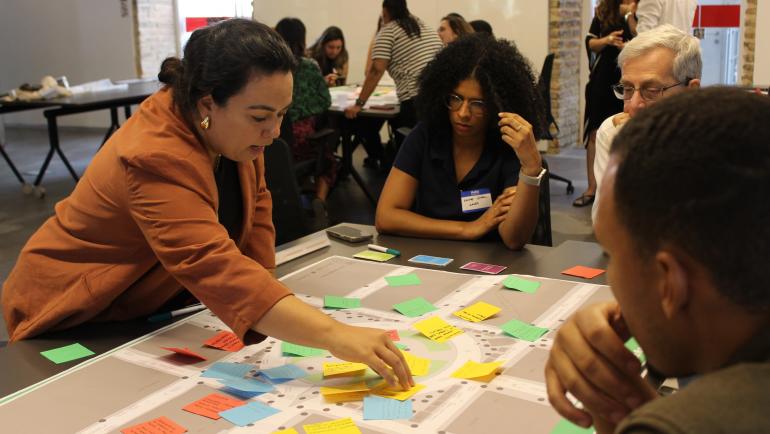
x,y
170,70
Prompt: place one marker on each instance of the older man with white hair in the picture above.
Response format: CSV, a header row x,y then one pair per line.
x,y
656,64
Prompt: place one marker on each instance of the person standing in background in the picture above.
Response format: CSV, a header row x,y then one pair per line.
x,y
332,56
653,13
452,27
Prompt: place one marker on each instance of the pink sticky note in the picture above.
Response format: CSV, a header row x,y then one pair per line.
x,y
225,340
483,268
393,335
185,352
161,425
584,272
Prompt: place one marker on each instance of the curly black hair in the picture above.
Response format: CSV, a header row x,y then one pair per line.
x,y
504,74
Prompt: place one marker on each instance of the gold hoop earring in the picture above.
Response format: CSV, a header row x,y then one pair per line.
x,y
206,123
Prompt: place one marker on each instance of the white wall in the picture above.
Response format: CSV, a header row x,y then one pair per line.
x,y
762,47
83,39
523,21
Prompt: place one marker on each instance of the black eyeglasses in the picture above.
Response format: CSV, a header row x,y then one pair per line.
x,y
648,93
477,107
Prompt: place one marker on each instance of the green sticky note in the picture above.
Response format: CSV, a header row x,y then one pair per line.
x,y
336,302
414,307
300,350
400,346
68,353
566,427
374,256
519,284
522,330
403,280
634,347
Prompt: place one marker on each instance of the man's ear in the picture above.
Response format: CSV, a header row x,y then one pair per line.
x,y
674,283
205,106
694,83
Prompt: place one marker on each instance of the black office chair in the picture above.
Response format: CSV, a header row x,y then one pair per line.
x,y
322,139
289,218
544,85
542,235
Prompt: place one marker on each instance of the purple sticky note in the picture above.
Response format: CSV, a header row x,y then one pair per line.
x,y
483,268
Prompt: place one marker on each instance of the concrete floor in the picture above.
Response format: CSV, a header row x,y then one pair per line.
x,y
21,214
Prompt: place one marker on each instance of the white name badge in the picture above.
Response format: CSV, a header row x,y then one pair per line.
x,y
475,200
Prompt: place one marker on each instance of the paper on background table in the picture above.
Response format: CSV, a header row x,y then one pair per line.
x,y
371,255
209,406
67,353
478,312
472,370
300,350
522,330
582,271
436,329
249,413
225,340
343,369
337,426
222,370
414,307
519,284
284,372
161,425
408,279
185,352
379,408
337,302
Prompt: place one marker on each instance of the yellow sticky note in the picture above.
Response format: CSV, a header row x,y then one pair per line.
x,y
337,426
417,365
345,388
345,397
396,393
344,369
286,431
436,329
477,371
478,312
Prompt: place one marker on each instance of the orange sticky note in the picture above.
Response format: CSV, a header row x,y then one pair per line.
x,y
584,272
210,406
161,425
225,340
184,351
393,335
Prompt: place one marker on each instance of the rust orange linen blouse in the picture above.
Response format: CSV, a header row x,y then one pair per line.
x,y
140,226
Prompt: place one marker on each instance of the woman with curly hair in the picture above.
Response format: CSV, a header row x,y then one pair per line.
x,y
332,56
470,169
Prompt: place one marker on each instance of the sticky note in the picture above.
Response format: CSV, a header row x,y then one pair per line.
x,y
225,340
401,346
477,371
519,284
414,307
403,280
484,268
397,393
522,330
343,369
566,427
478,312
379,408
634,347
338,426
417,365
345,393
67,353
247,385
240,393
335,302
393,335
161,425
210,405
374,256
249,413
300,350
223,370
436,329
185,352
285,372
584,272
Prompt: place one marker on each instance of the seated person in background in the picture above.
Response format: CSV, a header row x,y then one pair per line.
x,y
471,168
174,208
332,56
311,100
452,27
481,26
688,267
661,62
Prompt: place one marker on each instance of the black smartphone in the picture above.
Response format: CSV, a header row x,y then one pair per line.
x,y
349,234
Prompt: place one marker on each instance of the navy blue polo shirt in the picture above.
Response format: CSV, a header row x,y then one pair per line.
x,y
427,156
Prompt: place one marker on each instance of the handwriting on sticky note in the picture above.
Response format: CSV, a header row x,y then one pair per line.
x,y
336,302
343,369
584,272
414,307
337,426
403,280
478,312
522,330
225,340
473,371
519,284
67,353
161,425
210,405
185,352
436,329
379,408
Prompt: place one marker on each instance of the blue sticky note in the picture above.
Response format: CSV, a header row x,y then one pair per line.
x,y
226,370
247,385
285,372
248,413
241,393
379,408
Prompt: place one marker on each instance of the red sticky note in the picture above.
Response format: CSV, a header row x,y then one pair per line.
x,y
227,341
184,351
161,425
584,272
210,406
393,335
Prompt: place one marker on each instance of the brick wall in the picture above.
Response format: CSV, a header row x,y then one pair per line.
x,y
749,38
566,40
154,34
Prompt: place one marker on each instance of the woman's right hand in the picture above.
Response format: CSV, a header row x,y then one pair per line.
x,y
615,39
492,217
331,79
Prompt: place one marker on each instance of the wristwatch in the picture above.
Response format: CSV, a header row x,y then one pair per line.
x,y
360,102
532,180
